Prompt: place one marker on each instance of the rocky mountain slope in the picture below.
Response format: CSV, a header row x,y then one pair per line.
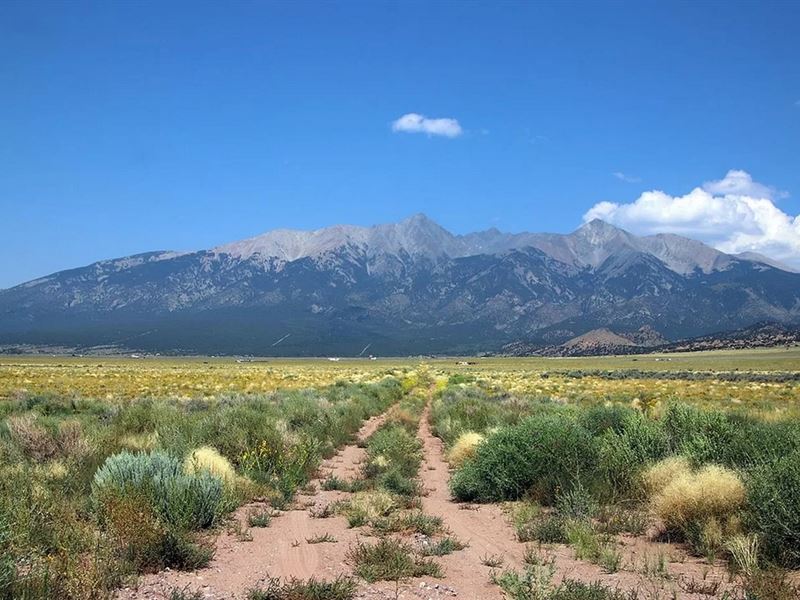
x,y
603,342
596,342
761,335
409,287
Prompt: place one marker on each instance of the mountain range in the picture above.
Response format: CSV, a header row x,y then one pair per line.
x,y
404,288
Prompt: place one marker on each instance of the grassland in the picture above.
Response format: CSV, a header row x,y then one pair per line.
x,y
113,467
764,380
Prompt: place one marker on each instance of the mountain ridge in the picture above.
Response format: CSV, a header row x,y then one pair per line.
x,y
406,287
677,252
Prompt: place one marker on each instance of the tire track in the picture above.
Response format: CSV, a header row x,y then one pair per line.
x,y
483,527
280,550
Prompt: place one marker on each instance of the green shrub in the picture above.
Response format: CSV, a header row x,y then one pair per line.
x,y
259,517
393,448
149,508
571,589
774,510
624,451
180,551
576,503
591,546
409,522
599,419
334,483
397,483
444,546
732,440
546,529
536,583
541,455
390,560
394,455
189,501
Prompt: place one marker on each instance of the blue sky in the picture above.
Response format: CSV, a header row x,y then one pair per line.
x,y
127,127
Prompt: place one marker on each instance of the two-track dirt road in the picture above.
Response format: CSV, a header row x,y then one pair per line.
x,y
282,550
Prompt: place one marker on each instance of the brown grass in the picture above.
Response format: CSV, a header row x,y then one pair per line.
x,y
33,439
464,448
664,472
712,494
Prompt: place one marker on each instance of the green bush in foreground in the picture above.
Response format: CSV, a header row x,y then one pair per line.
x,y
774,501
150,507
65,535
189,501
541,455
625,450
393,459
390,560
536,583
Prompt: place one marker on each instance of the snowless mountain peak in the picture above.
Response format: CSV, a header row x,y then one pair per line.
x,y
411,286
416,235
419,236
599,228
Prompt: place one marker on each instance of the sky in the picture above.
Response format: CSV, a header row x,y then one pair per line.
x,y
127,127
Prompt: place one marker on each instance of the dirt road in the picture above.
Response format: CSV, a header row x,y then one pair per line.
x,y
282,550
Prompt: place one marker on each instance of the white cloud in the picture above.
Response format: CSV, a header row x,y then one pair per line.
x,y
734,214
741,183
415,123
626,178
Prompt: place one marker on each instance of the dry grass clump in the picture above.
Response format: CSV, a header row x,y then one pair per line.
x,y
71,441
38,443
141,442
55,470
744,551
401,416
372,504
464,448
210,460
33,439
660,475
700,506
713,492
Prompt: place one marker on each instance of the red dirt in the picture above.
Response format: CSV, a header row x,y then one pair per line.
x,y
281,550
487,530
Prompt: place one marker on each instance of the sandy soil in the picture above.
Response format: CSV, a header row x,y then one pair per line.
x,y
487,530
282,550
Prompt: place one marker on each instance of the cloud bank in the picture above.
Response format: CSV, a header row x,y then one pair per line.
x,y
734,214
415,123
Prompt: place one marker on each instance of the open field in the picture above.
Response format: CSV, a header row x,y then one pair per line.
x,y
766,380
615,478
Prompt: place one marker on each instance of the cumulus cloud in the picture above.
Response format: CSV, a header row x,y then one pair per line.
x,y
415,123
626,178
740,183
734,214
